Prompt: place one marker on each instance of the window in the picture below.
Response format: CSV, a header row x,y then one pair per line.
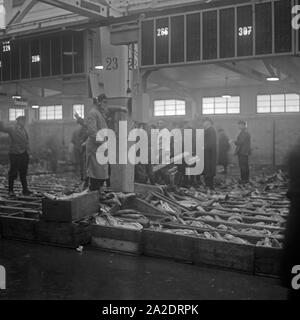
x,y
219,105
164,108
14,113
277,103
50,112
79,108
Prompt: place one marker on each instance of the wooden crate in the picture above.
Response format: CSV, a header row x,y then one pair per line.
x,y
168,245
63,234
14,227
70,210
116,239
224,254
267,261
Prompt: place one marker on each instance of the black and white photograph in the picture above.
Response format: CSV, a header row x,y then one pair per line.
x,y
149,153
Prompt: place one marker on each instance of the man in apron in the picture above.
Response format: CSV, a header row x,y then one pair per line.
x,y
95,121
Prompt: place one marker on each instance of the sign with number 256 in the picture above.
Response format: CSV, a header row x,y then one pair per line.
x,y
2,278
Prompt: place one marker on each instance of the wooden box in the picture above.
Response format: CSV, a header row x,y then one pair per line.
x,y
267,261
63,234
224,254
168,245
14,227
70,210
116,239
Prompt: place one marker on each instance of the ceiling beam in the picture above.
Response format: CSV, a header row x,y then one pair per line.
x,y
159,79
269,68
22,12
288,67
244,71
84,8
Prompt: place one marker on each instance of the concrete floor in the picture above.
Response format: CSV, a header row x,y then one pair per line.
x,y
44,272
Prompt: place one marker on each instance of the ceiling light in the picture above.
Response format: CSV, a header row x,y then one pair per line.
x,y
226,96
99,67
273,79
70,53
16,97
35,107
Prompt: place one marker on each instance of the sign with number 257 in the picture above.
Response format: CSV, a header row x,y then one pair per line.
x,y
2,278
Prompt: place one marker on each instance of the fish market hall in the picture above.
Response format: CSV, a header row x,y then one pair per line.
x,y
149,150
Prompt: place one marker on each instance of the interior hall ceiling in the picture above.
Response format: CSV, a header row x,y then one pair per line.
x,y
238,74
143,5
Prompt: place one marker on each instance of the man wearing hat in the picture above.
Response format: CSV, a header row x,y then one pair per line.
x,y
97,173
18,154
243,150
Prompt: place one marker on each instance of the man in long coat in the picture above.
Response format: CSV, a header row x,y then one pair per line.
x,y
243,151
224,147
210,152
97,173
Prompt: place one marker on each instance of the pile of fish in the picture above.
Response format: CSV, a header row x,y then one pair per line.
x,y
113,214
254,215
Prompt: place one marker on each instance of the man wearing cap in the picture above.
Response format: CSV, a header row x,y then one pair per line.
x,y
243,150
18,154
210,153
97,173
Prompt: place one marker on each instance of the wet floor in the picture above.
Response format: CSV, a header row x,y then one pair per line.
x,y
44,272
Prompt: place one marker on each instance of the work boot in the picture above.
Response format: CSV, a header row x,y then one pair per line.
x,y
27,193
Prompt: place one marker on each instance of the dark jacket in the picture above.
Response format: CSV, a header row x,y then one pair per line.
x,y
18,136
224,147
243,144
210,152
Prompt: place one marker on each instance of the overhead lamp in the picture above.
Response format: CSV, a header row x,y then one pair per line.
x,y
35,107
99,67
273,79
226,96
70,53
16,96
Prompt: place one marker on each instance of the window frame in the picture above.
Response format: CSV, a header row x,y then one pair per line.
x,y
227,106
175,115
285,94
16,115
47,117
82,112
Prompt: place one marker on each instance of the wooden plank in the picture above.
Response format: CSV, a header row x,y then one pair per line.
x,y
116,245
168,245
267,261
18,227
66,234
116,239
224,254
